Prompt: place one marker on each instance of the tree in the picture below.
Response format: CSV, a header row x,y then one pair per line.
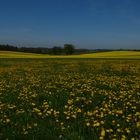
x,y
69,49
56,50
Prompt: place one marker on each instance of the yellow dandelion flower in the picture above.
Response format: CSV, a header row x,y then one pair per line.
x,y
102,132
79,110
101,138
87,124
7,120
118,130
127,130
35,124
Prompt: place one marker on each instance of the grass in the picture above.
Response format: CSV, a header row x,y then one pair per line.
x,y
113,54
75,99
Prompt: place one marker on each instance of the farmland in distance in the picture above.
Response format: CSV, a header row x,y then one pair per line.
x,y
98,55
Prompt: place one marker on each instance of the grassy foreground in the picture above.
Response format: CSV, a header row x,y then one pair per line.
x,y
69,100
114,54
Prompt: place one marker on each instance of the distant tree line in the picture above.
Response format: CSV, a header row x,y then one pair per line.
x,y
8,48
68,49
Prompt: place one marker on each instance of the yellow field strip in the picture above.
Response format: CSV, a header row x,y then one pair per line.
x,y
113,54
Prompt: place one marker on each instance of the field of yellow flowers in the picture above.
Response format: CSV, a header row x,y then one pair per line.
x,y
69,99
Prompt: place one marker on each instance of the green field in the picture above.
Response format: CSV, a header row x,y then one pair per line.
x,y
113,54
70,99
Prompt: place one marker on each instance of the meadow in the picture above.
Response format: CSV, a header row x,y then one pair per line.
x,y
69,99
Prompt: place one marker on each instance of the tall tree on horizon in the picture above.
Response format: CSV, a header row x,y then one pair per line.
x,y
69,49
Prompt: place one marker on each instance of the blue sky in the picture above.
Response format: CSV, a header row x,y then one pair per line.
x,y
84,23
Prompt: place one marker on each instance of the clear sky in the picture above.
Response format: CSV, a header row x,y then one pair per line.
x,y
84,23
